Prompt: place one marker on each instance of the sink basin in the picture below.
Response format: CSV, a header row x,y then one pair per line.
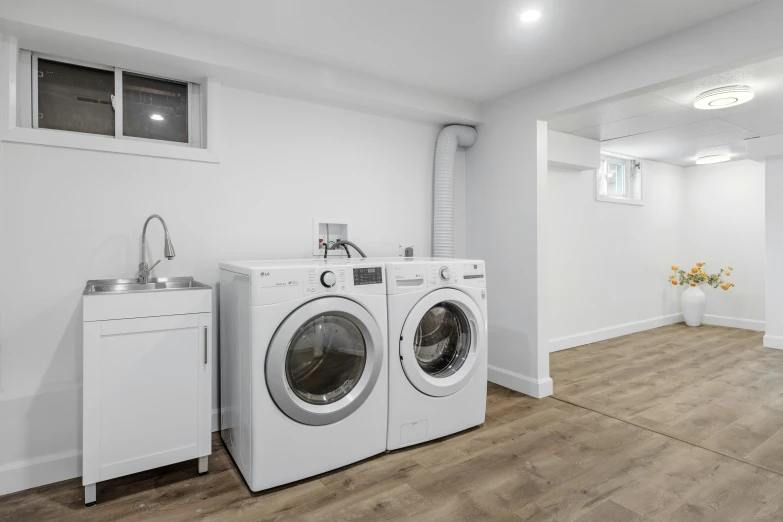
x,y
127,286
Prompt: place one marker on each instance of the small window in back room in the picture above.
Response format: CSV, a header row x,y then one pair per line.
x,y
619,179
154,108
75,98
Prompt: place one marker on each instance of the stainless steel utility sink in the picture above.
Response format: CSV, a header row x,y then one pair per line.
x,y
127,286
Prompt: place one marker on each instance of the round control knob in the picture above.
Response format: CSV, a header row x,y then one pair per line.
x,y
444,273
328,279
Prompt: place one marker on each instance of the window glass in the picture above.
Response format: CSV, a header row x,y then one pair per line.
x,y
154,108
325,359
619,180
75,98
442,340
615,179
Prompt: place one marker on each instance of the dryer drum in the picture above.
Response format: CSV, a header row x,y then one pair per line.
x,y
442,340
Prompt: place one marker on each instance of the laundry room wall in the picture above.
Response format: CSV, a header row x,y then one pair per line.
x,y
723,224
68,215
607,262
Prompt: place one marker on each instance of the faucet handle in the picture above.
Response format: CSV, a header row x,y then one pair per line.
x,y
153,266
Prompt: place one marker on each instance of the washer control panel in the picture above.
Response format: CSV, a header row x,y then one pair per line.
x,y
368,276
328,279
323,279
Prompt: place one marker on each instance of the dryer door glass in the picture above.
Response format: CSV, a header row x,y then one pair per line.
x,y
442,340
325,359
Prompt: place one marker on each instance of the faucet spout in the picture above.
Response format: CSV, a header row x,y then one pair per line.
x,y
168,248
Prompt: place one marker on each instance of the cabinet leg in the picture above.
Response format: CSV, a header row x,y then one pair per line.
x,y
203,465
90,496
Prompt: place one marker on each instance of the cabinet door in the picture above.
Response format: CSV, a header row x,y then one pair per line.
x,y
144,393
205,385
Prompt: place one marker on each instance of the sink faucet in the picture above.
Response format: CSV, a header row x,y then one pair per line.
x,y
168,249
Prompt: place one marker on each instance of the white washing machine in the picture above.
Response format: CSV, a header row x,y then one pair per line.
x,y
304,379
437,347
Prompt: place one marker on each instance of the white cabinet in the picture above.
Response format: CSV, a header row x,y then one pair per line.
x,y
147,386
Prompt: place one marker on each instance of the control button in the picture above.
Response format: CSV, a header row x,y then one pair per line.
x,y
444,273
328,279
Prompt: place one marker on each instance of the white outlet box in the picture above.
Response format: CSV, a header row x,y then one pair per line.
x,y
326,230
402,246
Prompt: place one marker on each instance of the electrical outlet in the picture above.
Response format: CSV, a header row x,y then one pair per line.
x,y
405,250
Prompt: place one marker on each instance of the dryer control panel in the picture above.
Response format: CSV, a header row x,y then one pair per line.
x,y
411,276
456,273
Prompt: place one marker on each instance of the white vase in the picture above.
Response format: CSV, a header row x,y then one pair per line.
x,y
693,303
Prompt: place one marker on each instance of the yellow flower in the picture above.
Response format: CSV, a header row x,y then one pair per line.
x,y
731,267
693,284
725,286
702,273
674,282
695,270
675,267
728,273
700,264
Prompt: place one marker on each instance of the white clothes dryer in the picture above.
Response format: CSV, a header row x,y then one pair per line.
x,y
437,347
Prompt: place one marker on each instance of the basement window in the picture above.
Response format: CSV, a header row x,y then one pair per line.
x,y
68,95
619,179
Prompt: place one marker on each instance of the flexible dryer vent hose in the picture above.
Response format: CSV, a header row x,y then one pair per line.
x,y
449,139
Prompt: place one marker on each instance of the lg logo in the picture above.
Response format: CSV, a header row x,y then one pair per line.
x,y
264,274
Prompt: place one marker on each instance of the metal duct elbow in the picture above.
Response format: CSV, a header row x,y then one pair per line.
x,y
449,139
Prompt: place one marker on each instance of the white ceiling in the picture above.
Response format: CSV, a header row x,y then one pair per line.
x,y
664,126
473,49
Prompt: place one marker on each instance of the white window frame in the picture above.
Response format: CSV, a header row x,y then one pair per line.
x,y
16,112
629,165
117,99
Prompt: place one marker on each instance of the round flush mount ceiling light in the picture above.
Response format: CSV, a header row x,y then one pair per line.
x,y
714,158
156,117
724,97
530,15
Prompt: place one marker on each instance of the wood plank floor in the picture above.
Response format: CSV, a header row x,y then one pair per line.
x,y
712,386
538,460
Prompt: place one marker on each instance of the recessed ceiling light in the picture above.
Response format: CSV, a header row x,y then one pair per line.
x,y
530,16
156,117
724,97
714,158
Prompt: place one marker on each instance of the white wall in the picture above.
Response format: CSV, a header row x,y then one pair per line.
x,y
507,179
607,262
723,224
67,216
773,312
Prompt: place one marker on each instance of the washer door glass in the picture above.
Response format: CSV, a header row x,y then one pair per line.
x,y
325,359
442,340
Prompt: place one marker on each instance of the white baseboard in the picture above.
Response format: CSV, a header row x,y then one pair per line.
x,y
734,322
773,341
39,471
538,388
602,334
